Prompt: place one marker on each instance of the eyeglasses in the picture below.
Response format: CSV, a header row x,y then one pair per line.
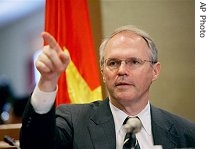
x,y
132,63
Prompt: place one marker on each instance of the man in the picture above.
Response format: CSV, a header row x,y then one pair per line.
x,y
129,65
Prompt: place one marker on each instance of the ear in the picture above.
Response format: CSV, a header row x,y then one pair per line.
x,y
156,71
102,73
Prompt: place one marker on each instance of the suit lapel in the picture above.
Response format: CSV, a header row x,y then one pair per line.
x,y
101,127
164,132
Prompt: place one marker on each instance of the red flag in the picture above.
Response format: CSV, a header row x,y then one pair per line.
x,y
68,21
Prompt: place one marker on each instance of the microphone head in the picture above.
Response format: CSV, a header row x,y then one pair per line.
x,y
133,125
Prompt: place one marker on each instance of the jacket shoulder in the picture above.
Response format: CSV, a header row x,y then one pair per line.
x,y
180,129
168,120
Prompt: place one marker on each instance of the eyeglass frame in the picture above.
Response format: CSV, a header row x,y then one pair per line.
x,y
127,60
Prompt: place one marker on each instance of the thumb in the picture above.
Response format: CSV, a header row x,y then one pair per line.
x,y
65,56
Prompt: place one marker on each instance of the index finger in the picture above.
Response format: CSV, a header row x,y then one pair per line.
x,y
50,40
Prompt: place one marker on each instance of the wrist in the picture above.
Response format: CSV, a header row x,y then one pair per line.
x,y
47,85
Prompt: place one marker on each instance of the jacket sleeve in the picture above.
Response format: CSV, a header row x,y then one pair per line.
x,y
38,130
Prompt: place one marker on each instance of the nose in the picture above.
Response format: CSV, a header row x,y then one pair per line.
x,y
122,70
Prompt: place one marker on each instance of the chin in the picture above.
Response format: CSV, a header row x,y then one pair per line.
x,y
124,97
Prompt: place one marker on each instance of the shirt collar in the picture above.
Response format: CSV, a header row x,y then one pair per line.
x,y
119,117
145,118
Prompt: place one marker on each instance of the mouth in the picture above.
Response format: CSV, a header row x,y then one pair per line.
x,y
119,84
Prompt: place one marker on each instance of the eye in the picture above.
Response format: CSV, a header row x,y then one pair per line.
x,y
112,62
134,61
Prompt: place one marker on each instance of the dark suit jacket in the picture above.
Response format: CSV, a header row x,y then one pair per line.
x,y
91,126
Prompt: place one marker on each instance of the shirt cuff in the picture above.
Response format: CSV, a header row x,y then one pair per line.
x,y
41,101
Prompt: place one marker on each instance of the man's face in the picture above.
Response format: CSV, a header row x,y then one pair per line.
x,y
127,84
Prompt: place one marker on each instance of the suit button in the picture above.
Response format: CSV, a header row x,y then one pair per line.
x,y
29,121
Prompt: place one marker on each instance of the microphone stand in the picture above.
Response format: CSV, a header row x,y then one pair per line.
x,y
11,141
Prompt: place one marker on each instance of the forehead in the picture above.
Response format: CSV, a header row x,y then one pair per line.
x,y
126,43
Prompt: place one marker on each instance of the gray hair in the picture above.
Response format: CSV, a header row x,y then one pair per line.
x,y
153,53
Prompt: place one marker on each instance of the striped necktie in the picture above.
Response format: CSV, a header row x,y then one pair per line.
x,y
130,141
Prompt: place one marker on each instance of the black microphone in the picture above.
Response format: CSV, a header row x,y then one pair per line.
x,y
132,126
11,141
